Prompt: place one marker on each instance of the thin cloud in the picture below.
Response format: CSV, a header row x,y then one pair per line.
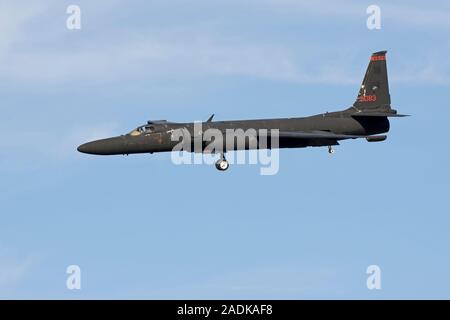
x,y
188,51
12,269
60,146
13,20
404,15
154,58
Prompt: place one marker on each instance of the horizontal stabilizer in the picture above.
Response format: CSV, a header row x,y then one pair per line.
x,y
376,138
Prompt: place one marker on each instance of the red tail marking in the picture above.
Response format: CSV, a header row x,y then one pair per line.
x,y
378,58
368,98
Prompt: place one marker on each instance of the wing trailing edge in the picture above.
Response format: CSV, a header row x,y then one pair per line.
x,y
316,134
378,114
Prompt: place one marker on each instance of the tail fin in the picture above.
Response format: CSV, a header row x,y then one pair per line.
x,y
374,91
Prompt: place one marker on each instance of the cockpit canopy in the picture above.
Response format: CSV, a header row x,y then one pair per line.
x,y
147,128
151,126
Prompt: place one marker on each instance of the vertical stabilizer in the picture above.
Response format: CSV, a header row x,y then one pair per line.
x,y
374,90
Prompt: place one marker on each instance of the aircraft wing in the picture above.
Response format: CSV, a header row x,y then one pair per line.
x,y
311,135
316,134
378,114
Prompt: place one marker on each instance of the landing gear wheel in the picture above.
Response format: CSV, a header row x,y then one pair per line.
x,y
222,164
330,150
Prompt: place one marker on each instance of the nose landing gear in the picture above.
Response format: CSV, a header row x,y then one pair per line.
x,y
222,164
331,150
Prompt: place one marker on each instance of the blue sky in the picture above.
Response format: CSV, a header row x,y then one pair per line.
x,y
142,227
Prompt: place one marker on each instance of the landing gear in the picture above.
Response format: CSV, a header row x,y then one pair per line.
x,y
222,164
330,150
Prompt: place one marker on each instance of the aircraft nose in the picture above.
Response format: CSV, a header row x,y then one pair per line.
x,y
107,146
89,147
